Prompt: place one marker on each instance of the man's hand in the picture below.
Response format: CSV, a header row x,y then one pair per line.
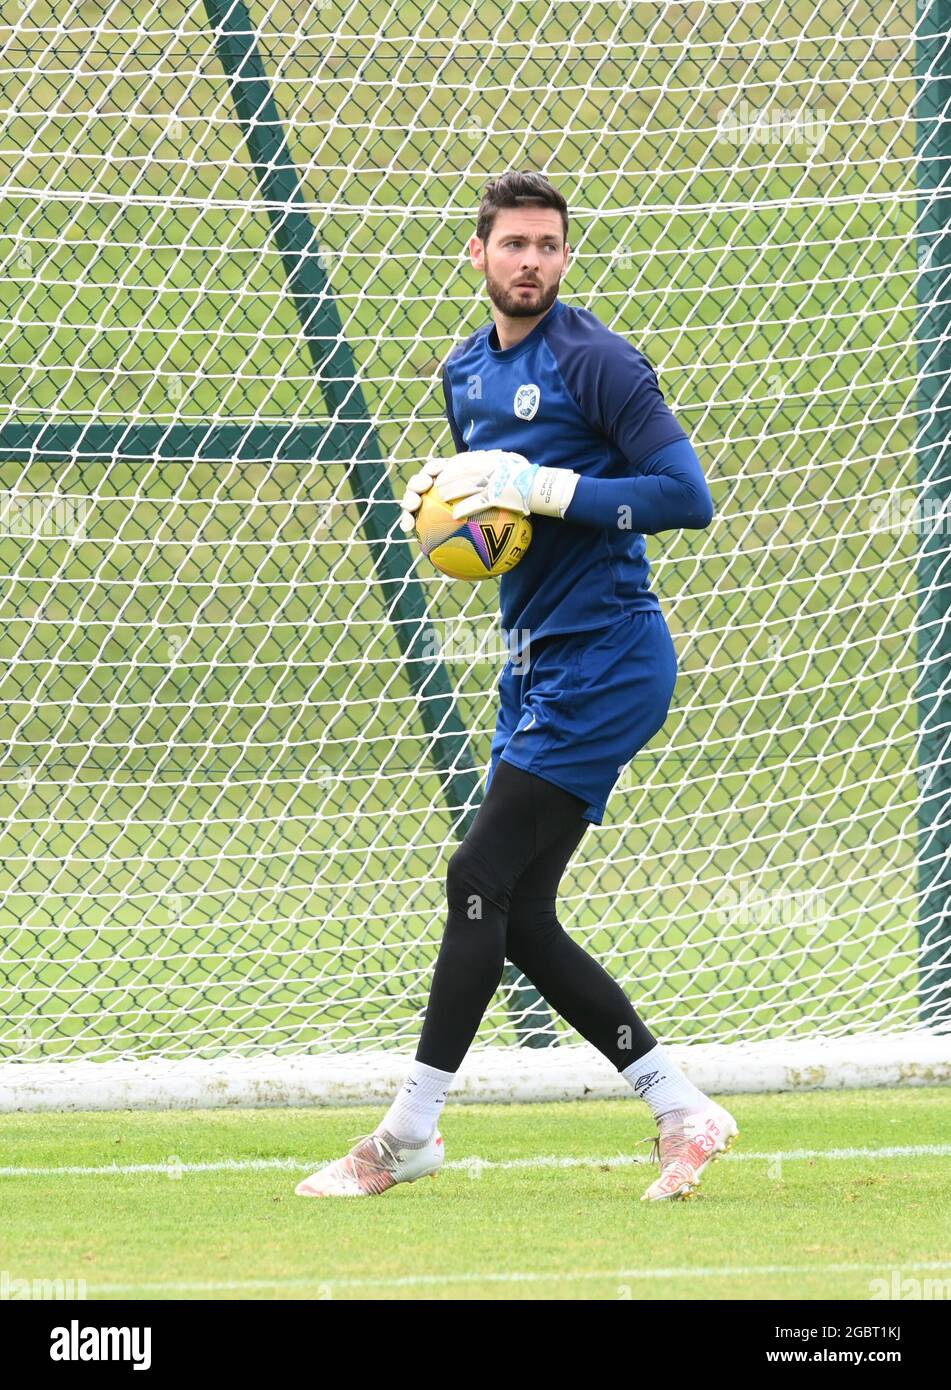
x,y
413,496
464,473
513,484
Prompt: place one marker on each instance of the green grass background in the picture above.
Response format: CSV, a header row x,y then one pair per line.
x,y
767,1227
220,827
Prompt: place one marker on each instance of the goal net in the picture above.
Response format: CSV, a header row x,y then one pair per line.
x,y
244,723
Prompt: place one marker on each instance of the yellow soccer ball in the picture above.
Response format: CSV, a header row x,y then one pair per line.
x,y
480,547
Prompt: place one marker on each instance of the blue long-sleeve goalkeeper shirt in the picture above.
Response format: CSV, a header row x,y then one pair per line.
x,y
573,394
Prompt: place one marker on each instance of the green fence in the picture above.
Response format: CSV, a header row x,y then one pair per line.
x,y
244,723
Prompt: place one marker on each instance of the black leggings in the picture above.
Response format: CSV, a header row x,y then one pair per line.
x,y
501,886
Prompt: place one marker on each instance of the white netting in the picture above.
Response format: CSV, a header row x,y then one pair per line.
x,y
226,809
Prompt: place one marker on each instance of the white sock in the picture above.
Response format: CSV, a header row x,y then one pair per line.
x,y
660,1083
418,1103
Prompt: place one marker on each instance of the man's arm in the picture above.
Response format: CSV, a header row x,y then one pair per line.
x,y
669,492
617,391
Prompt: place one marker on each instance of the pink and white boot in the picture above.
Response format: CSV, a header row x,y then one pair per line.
x,y
376,1163
687,1142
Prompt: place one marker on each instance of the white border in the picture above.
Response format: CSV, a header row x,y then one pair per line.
x,y
491,1075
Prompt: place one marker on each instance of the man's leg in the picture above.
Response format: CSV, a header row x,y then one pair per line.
x,y
520,818
693,1130
578,987
572,981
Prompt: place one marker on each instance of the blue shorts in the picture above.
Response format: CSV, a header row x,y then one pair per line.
x,y
587,702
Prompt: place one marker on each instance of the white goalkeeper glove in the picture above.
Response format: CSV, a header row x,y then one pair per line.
x,y
413,496
512,483
465,473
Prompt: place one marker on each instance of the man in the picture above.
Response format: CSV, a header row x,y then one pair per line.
x,y
554,416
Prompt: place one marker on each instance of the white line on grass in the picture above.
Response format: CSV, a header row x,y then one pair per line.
x,y
248,1165
435,1280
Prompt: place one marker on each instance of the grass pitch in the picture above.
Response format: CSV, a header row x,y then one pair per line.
x,y
826,1195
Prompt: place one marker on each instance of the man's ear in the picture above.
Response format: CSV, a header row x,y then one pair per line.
x,y
477,252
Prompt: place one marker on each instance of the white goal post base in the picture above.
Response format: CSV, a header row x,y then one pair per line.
x,y
504,1075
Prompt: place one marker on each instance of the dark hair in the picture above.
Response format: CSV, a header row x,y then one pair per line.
x,y
516,190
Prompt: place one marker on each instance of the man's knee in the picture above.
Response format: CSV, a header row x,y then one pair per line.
x,y
472,883
531,924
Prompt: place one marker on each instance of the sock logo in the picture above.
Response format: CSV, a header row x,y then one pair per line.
x,y
644,1083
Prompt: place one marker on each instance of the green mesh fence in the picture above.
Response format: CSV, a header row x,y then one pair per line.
x,y
234,757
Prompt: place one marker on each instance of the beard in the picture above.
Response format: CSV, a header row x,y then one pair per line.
x,y
512,304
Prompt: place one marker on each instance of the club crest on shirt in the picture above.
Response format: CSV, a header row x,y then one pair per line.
x,y
527,400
